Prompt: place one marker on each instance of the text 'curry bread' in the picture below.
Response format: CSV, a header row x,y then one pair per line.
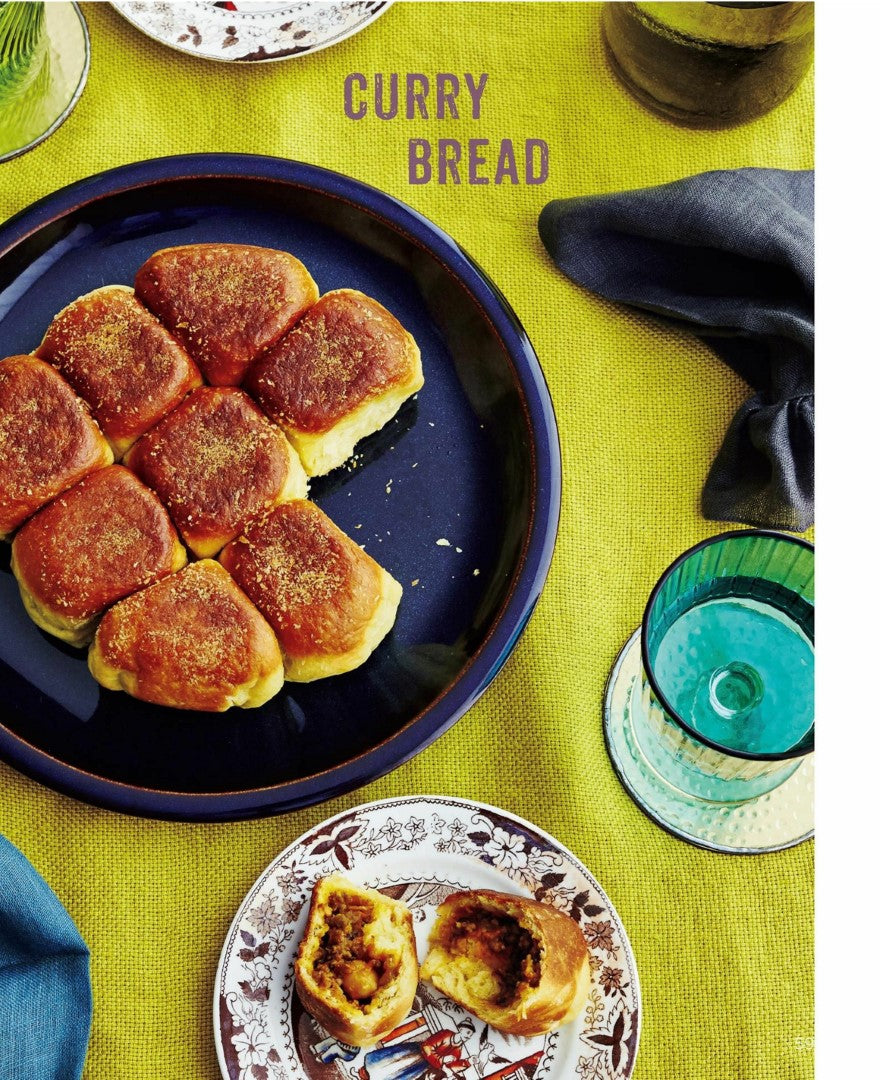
x,y
516,963
191,641
225,302
48,439
340,374
356,970
217,462
329,603
101,540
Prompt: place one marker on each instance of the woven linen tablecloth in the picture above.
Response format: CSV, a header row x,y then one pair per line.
x,y
723,944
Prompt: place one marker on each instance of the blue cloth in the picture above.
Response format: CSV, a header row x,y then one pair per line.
x,y
729,256
45,993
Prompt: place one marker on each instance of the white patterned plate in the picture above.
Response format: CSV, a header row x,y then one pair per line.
x,y
419,850
251,32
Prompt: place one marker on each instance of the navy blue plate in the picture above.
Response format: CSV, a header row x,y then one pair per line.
x,y
458,497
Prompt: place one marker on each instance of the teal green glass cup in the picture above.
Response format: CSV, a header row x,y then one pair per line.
x,y
718,709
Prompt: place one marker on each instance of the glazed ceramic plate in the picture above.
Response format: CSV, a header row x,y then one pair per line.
x,y
249,32
420,850
458,496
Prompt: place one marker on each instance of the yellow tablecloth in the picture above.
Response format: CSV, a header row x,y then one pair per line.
x,y
723,944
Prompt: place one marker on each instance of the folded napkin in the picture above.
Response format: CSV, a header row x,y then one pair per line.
x,y
45,994
728,255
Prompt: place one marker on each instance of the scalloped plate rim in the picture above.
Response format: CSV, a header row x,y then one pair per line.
x,y
145,27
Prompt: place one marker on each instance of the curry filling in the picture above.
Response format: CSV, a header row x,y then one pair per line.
x,y
346,959
501,944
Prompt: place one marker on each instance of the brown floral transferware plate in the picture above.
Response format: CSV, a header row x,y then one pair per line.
x,y
419,850
251,32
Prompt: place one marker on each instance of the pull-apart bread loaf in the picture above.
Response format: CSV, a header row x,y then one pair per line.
x,y
329,603
191,641
121,360
356,971
101,540
216,462
120,374
48,439
225,302
518,964
339,375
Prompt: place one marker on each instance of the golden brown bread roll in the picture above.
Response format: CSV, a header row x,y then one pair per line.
x,y
191,641
48,439
120,359
329,603
356,971
99,541
339,375
225,302
519,965
216,462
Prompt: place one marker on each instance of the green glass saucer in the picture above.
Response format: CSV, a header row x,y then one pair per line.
x,y
778,819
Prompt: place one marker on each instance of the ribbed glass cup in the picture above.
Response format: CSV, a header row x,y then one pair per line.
x,y
727,654
44,60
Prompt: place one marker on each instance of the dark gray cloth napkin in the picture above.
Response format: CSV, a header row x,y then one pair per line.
x,y
728,255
